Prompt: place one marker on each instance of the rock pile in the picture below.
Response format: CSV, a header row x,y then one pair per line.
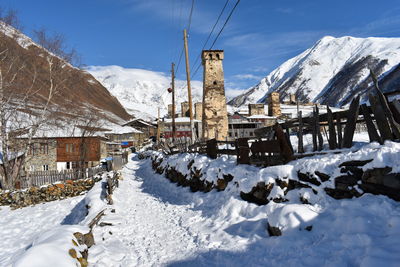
x,y
35,195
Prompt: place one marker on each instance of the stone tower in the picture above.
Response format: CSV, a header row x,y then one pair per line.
x,y
215,115
185,109
170,110
274,105
256,109
198,111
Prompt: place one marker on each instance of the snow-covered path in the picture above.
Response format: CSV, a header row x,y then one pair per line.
x,y
19,228
148,231
157,223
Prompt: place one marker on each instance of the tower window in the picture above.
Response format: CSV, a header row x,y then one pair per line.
x,y
215,82
218,56
210,56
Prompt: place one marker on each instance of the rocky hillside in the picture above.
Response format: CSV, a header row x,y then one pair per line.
x,y
331,72
29,69
142,92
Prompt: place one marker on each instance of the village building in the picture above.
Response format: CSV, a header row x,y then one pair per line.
x,y
182,125
62,153
241,127
146,128
125,136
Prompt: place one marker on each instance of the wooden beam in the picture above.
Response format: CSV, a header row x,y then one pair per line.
x,y
352,116
300,148
372,132
380,118
331,129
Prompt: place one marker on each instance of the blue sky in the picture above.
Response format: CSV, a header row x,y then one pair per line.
x,y
260,36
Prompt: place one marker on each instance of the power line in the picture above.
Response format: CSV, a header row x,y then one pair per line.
x,y
219,33
226,22
211,32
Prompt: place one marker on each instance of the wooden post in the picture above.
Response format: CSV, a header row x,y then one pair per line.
x,y
173,102
380,118
352,116
314,130
339,129
388,113
188,84
319,134
300,148
372,132
331,129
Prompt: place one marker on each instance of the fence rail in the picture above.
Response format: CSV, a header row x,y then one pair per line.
x,y
39,178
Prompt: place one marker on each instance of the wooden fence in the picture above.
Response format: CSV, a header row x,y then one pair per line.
x,y
272,145
39,178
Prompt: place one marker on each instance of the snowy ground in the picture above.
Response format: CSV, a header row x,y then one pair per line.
x,y
157,223
19,228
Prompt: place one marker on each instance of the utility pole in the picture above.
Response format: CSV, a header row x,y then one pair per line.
x,y
173,102
188,84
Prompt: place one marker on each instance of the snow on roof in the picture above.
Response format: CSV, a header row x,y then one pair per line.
x,y
261,116
180,119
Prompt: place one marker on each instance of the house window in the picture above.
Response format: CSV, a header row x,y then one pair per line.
x,y
44,148
251,134
69,148
46,167
68,165
32,168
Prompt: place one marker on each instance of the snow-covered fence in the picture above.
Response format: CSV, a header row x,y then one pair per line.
x,y
39,178
381,121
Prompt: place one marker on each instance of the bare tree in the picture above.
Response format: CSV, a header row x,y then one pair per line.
x,y
29,80
10,17
56,44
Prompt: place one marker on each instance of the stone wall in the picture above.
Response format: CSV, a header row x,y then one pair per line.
x,y
198,111
378,181
43,152
215,115
35,195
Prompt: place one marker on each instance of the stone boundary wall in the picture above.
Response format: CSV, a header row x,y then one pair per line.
x,y
36,195
378,181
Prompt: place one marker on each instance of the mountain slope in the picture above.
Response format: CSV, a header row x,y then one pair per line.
x,y
331,72
142,92
33,66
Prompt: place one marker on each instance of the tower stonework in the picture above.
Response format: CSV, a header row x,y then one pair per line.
x,y
185,109
256,109
170,110
215,115
274,105
198,111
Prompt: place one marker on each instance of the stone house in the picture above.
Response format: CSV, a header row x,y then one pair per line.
x,y
60,153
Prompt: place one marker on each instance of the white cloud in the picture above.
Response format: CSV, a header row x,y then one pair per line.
x,y
247,77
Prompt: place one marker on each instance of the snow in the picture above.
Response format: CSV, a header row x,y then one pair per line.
x,y
316,66
157,223
20,228
141,91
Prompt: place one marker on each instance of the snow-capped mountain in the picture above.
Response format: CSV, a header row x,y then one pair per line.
x,y
331,72
142,92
